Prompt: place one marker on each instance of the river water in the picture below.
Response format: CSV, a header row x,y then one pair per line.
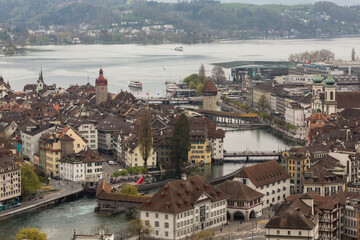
x,y
151,64
59,221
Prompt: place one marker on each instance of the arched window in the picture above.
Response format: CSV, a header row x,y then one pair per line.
x,y
331,95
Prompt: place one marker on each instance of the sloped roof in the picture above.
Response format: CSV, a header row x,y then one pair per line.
x,y
264,173
236,190
180,195
290,218
348,99
209,87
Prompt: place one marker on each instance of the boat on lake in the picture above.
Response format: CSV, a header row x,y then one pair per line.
x,y
179,49
135,84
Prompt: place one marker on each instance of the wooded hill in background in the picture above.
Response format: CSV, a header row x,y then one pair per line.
x,y
209,19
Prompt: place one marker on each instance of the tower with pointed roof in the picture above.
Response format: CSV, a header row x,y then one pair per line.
x,y
317,91
209,96
40,82
101,88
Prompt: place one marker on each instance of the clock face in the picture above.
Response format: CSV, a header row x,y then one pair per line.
x,y
102,89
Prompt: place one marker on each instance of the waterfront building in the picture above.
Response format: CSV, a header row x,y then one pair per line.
x,y
84,165
209,96
200,150
10,178
268,178
207,141
101,84
296,161
295,114
243,202
30,134
183,208
133,157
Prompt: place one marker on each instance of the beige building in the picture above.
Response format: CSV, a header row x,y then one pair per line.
x,y
323,182
10,179
133,156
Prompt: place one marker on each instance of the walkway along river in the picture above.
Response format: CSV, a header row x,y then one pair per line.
x,y
60,220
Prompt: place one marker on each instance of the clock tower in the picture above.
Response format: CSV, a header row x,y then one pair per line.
x,y
101,88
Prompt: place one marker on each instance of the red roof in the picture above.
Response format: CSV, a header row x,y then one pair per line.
x,y
209,87
101,80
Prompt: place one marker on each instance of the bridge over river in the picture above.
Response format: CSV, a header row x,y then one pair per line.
x,y
253,156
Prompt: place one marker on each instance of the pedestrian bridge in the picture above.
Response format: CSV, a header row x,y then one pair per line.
x,y
111,202
251,156
231,118
165,100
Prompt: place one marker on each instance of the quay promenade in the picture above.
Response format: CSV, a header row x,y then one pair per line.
x,y
66,190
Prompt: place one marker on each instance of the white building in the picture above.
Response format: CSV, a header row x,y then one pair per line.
x,y
184,207
10,179
296,220
30,134
85,165
294,114
72,170
268,178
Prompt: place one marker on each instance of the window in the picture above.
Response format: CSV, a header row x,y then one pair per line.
x,y
166,234
166,225
278,232
157,215
166,216
156,232
147,214
299,233
289,232
156,224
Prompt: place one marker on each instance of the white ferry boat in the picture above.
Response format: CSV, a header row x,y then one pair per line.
x,y
135,84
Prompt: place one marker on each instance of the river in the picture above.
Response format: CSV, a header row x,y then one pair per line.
x,y
59,221
151,64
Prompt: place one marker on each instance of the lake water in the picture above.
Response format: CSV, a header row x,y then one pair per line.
x,y
151,64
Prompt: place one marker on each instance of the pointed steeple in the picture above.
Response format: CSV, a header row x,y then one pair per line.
x,y
41,79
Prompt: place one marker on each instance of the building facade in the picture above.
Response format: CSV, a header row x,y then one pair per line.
x,y
10,179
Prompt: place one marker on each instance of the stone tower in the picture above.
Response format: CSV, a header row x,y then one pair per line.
x,y
101,88
209,96
317,90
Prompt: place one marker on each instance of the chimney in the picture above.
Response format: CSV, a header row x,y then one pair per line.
x,y
183,176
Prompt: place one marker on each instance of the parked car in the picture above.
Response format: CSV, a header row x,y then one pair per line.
x,y
111,162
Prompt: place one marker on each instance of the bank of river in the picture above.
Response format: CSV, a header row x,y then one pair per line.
x,y
59,221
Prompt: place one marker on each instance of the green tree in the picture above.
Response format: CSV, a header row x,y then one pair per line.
x,y
263,103
123,172
139,228
145,136
202,76
180,143
192,85
199,89
130,170
137,170
29,180
30,234
204,235
129,189
116,174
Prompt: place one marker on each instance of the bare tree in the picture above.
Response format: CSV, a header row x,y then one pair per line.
x,y
218,75
139,228
202,76
314,56
145,137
